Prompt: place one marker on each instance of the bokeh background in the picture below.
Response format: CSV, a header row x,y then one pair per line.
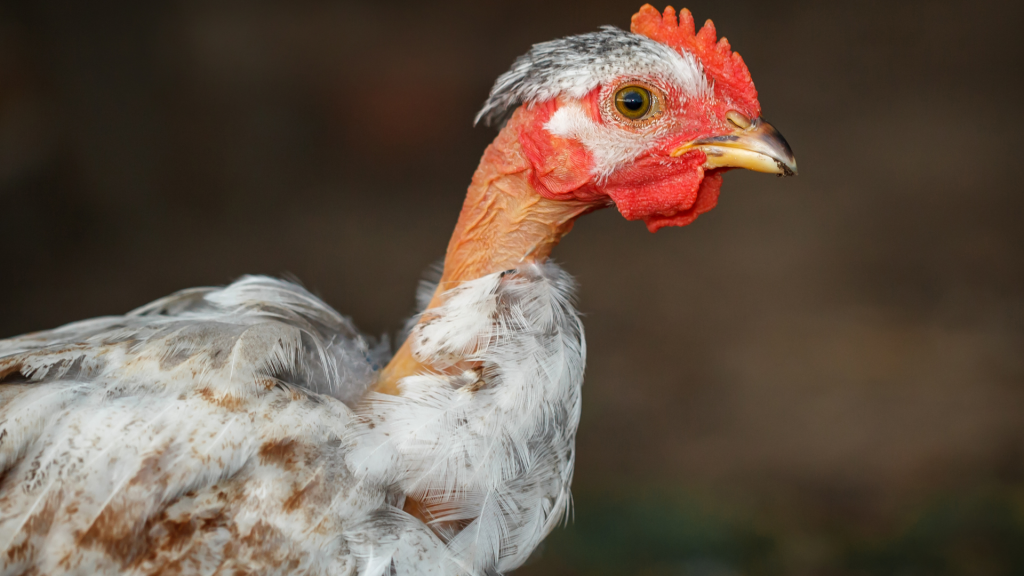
x,y
825,375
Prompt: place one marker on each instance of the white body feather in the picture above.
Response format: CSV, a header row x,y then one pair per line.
x,y
229,431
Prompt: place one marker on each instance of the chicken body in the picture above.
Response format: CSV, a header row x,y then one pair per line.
x,y
215,432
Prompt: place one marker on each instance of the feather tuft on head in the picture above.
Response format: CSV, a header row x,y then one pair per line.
x,y
732,79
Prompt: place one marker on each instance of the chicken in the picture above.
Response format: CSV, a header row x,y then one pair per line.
x,y
252,429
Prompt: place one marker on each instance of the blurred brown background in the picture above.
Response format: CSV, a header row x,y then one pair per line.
x,y
823,376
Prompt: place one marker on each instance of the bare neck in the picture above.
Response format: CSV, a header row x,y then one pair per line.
x,y
504,222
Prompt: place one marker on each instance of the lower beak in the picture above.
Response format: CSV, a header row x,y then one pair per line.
x,y
759,147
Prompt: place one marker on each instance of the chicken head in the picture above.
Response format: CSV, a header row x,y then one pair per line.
x,y
647,119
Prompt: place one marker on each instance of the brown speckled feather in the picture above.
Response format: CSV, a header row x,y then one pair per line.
x,y
211,433
199,434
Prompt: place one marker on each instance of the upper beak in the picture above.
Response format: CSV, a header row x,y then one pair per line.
x,y
759,147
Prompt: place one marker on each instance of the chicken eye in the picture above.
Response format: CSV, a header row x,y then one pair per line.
x,y
633,102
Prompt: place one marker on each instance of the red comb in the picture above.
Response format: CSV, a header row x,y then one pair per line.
x,y
727,69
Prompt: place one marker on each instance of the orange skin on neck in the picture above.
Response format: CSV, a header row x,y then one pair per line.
x,y
504,221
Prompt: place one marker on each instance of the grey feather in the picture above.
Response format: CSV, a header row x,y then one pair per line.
x,y
577,64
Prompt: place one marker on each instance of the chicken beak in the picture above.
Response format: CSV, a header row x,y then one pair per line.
x,y
759,147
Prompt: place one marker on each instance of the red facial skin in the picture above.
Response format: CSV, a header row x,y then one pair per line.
x,y
654,187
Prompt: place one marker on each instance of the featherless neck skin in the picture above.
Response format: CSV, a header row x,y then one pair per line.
x,y
504,222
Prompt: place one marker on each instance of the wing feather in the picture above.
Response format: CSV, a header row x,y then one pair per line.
x,y
204,418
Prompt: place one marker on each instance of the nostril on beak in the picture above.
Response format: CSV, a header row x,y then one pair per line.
x,y
738,120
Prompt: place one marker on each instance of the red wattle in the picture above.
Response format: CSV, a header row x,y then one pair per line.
x,y
707,198
664,191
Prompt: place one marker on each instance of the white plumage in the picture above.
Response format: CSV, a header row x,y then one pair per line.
x,y
213,431
493,445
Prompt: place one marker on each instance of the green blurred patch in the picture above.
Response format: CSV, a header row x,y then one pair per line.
x,y
656,534
979,533
976,532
